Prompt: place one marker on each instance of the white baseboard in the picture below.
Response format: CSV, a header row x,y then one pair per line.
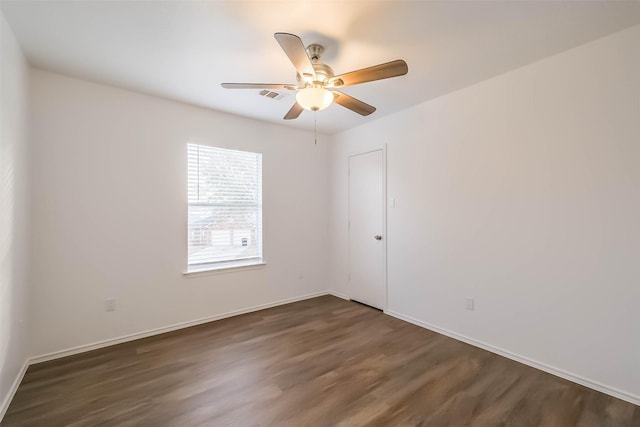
x,y
144,334
533,363
337,294
12,391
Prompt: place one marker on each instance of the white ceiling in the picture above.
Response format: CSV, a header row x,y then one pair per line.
x,y
183,50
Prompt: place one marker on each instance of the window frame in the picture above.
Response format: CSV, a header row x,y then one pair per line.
x,y
216,267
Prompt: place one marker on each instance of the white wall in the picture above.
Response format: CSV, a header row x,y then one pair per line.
x,y
110,213
522,192
14,211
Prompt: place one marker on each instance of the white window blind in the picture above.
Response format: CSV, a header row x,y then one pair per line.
x,y
225,205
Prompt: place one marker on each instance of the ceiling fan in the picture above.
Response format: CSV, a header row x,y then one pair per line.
x,y
317,85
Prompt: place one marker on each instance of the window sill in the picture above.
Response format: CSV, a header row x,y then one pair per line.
x,y
230,267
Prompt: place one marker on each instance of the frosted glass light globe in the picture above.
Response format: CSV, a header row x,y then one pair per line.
x,y
314,98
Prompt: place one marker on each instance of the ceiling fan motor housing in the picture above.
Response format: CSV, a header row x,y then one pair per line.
x,y
323,71
323,74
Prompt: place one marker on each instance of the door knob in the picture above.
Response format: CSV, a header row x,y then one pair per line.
x,y
378,237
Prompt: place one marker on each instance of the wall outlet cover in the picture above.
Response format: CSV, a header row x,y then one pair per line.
x,y
469,304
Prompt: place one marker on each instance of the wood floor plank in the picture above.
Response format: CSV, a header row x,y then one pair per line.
x,y
319,362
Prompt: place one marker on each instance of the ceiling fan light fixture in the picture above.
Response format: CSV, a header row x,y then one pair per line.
x,y
314,98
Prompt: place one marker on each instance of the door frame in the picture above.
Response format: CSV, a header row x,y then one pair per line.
x,y
382,148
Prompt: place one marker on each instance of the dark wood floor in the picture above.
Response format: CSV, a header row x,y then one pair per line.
x,y
320,362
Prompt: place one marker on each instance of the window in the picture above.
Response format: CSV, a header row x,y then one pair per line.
x,y
225,207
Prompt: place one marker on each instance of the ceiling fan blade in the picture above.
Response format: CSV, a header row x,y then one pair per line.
x,y
294,48
294,112
377,72
353,104
258,86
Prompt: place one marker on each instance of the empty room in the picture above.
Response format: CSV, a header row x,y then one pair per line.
x,y
320,213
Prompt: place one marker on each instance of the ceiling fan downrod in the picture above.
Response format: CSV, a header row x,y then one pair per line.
x,y
315,51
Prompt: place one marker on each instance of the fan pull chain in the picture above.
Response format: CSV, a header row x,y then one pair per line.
x,y
315,127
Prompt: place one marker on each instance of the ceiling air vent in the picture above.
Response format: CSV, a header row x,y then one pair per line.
x,y
272,95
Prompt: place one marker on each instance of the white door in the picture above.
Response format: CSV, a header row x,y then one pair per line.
x,y
367,270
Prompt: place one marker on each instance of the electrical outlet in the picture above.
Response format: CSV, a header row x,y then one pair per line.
x,y
468,304
110,304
